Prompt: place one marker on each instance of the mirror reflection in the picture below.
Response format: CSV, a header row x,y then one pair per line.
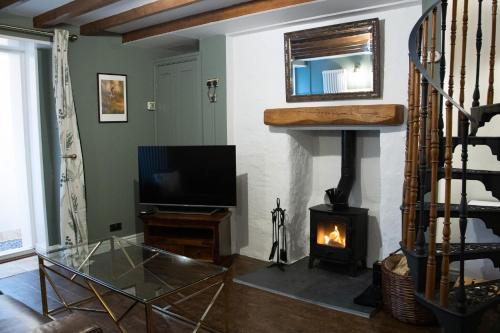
x,y
335,62
332,75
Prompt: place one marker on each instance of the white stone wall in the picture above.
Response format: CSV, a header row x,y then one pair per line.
x,y
298,166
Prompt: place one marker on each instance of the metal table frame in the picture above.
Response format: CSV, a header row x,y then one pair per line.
x,y
90,283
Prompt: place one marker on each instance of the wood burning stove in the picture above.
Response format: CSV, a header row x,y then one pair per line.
x,y
338,232
339,236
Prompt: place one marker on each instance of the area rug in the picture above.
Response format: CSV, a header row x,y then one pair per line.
x,y
320,286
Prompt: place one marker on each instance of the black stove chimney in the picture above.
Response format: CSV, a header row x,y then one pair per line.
x,y
339,196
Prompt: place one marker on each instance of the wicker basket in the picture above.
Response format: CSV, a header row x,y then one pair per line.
x,y
399,298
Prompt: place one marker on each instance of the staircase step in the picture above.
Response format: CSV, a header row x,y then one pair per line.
x,y
480,297
488,214
490,179
491,141
473,251
483,114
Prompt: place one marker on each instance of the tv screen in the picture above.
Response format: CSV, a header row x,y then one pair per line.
x,y
203,176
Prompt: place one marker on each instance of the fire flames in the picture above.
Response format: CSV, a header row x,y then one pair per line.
x,y
331,237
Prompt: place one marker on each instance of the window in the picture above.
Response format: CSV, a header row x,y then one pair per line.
x,y
22,202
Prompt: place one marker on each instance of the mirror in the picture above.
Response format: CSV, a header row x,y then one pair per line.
x,y
335,62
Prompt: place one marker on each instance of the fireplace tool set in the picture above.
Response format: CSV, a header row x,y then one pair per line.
x,y
279,245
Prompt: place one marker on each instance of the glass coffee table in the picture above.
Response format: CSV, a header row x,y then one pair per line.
x,y
159,280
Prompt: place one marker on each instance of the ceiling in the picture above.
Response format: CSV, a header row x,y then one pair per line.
x,y
170,23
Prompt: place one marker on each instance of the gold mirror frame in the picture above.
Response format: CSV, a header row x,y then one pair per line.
x,y
331,32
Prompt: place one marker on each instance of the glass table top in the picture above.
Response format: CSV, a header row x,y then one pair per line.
x,y
141,272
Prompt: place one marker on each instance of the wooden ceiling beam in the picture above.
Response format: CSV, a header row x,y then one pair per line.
x,y
71,9
133,14
216,15
7,3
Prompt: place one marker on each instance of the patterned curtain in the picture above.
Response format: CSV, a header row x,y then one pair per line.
x,y
73,210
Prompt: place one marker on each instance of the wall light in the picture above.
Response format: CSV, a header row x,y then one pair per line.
x,y
212,90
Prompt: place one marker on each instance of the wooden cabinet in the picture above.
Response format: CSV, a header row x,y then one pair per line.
x,y
204,237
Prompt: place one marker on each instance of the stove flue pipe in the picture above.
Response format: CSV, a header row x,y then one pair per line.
x,y
339,196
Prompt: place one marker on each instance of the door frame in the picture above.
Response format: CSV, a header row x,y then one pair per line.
x,y
189,57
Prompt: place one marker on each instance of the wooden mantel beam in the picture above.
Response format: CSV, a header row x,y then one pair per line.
x,y
133,14
71,9
354,115
216,15
7,3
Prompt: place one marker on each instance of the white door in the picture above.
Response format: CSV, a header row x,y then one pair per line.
x,y
179,117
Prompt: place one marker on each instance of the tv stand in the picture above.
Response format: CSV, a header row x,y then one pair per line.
x,y
188,210
198,236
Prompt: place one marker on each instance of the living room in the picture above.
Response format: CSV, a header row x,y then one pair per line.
x,y
215,85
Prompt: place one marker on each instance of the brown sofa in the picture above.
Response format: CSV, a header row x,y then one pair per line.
x,y
16,317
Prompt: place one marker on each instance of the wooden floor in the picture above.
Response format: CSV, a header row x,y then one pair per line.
x,y
250,310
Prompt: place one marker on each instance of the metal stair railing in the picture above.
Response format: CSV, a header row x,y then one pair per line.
x,y
430,142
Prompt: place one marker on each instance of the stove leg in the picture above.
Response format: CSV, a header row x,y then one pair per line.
x,y
311,261
353,269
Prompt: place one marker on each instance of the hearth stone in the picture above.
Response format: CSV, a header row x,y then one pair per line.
x,y
324,287
339,236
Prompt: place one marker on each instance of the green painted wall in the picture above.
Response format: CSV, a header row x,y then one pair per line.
x,y
110,150
213,65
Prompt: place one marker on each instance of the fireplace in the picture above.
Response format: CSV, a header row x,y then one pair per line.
x,y
339,236
338,232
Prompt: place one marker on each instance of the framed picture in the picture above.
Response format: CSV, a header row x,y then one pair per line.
x,y
112,90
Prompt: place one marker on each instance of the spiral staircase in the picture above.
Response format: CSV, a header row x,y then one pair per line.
x,y
436,102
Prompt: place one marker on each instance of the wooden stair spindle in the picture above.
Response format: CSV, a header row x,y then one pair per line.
x,y
422,152
414,163
479,43
461,98
442,71
408,157
434,163
445,262
432,65
491,78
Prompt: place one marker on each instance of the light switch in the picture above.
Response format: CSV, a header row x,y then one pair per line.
x,y
151,106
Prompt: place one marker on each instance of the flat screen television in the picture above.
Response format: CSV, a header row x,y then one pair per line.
x,y
187,176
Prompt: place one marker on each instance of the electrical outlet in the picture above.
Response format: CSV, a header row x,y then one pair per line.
x,y
115,227
151,106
